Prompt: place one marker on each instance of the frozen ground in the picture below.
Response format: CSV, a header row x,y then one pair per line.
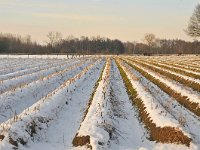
x,y
47,101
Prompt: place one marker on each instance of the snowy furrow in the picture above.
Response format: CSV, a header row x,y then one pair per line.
x,y
174,73
116,125
18,82
97,123
189,121
53,101
41,56
187,60
193,96
14,102
156,111
174,67
189,66
175,60
33,69
41,114
28,63
6,62
159,134
62,130
14,62
25,65
185,67
132,133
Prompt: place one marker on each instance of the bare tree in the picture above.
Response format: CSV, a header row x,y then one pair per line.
x,y
193,29
54,38
150,39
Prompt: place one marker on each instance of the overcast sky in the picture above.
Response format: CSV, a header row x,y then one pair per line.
x,y
127,20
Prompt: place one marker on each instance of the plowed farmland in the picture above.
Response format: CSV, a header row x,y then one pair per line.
x,y
100,102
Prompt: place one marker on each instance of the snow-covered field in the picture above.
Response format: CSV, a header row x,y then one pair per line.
x,y
99,102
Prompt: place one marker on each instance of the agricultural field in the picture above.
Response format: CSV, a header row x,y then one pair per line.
x,y
100,102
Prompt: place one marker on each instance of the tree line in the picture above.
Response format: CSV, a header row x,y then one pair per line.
x,y
163,46
95,45
56,44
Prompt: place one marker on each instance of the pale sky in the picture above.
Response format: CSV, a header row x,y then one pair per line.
x,y
127,20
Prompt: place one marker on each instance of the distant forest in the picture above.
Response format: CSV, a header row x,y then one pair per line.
x,y
55,44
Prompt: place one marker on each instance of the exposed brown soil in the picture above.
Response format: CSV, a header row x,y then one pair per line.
x,y
81,141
